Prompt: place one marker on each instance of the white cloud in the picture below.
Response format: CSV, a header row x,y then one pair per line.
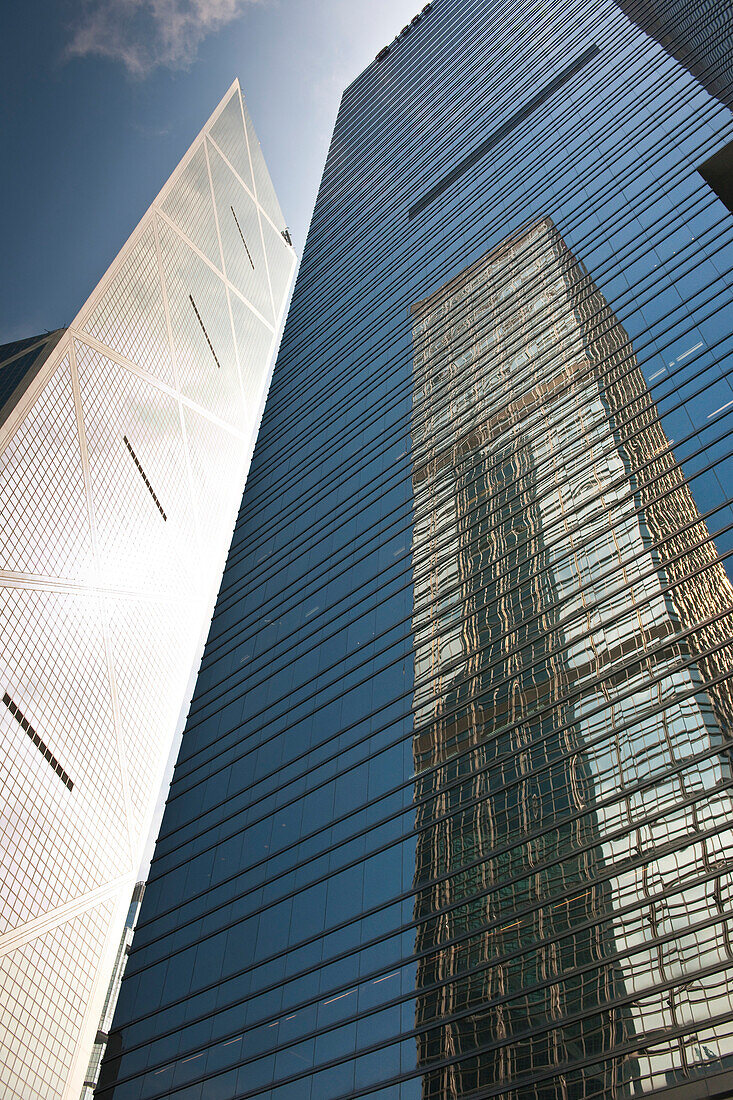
x,y
147,34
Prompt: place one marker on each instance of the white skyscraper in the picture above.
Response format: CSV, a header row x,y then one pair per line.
x,y
125,442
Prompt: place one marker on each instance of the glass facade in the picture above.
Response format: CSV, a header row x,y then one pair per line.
x,y
452,812
124,446
698,35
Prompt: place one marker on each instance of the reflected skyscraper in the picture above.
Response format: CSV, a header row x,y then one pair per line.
x,y
452,813
125,441
564,584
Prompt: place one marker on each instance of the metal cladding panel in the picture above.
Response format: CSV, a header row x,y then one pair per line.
x,y
122,463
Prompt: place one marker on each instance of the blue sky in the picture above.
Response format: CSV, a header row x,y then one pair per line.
x,y
100,98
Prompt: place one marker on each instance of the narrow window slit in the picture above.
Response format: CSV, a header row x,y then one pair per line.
x,y
143,475
519,116
241,234
203,329
23,722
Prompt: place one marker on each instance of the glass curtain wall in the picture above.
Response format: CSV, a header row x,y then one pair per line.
x,y
452,813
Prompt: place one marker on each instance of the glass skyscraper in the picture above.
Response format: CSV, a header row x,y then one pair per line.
x,y
453,812
124,446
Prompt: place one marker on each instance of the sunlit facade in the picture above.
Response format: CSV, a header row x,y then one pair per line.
x,y
124,446
452,814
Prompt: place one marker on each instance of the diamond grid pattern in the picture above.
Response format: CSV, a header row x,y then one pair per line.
x,y
253,344
228,133
216,498
130,316
150,681
158,580
138,549
47,858
279,262
49,978
241,241
42,486
190,206
263,184
202,332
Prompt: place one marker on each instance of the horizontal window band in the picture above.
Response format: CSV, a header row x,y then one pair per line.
x,y
218,822
424,953
677,844
422,802
275,614
515,843
242,750
660,675
223,641
496,1001
505,129
457,110
640,1043
253,668
334,184
652,391
627,999
143,475
589,541
413,892
512,844
42,747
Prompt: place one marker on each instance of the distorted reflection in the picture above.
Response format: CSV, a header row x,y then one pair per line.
x,y
573,628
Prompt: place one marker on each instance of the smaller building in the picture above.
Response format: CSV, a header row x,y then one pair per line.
x,y
105,1023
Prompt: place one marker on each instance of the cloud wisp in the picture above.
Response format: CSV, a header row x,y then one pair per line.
x,y
148,34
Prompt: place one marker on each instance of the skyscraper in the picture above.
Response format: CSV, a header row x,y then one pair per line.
x,y
452,812
113,992
124,446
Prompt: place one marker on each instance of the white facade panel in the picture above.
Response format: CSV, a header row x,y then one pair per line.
x,y
122,465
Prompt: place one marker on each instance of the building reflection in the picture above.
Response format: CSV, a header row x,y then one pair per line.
x,y
572,626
